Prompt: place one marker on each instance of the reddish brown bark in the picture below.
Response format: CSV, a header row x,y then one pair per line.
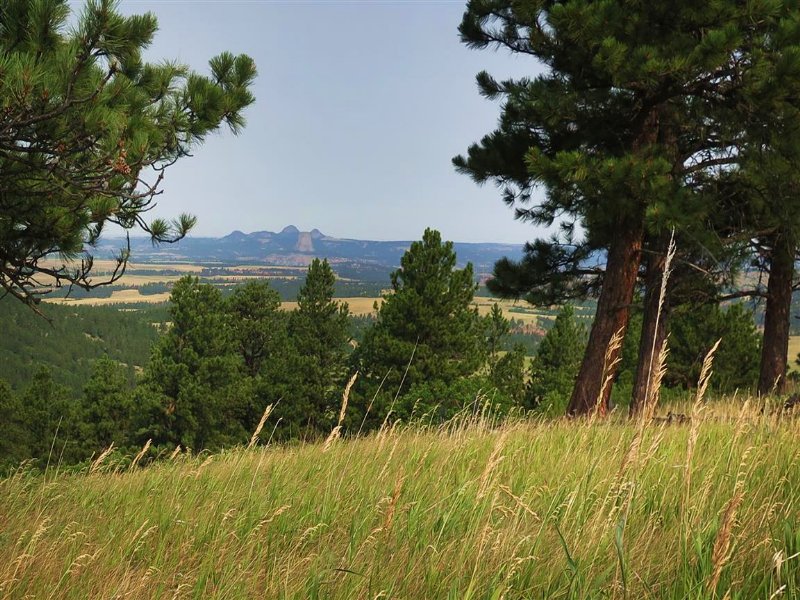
x,y
616,296
775,344
613,311
654,325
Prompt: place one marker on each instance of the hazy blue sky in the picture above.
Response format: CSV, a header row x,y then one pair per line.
x,y
360,107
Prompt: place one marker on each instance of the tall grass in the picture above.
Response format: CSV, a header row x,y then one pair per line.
x,y
538,509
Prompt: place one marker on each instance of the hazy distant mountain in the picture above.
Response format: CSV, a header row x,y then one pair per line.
x,y
292,247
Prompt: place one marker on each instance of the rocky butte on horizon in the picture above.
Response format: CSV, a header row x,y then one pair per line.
x,y
316,234
292,247
292,230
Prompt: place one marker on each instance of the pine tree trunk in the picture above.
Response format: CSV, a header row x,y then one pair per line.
x,y
613,310
614,303
654,325
775,344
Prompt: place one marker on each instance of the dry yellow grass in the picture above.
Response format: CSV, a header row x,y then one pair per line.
x,y
258,268
358,306
104,265
561,509
127,296
529,316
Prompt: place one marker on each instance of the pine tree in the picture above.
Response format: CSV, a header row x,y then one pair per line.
x,y
427,328
497,328
320,334
695,329
87,130
506,370
638,108
51,419
107,408
192,392
260,333
508,374
558,357
258,326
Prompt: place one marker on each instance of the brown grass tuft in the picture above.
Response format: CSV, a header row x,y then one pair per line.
x,y
336,432
260,426
141,454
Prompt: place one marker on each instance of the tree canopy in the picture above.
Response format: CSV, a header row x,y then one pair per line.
x,y
641,108
427,327
87,131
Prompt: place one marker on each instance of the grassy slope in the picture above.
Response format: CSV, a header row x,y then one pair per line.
x,y
527,510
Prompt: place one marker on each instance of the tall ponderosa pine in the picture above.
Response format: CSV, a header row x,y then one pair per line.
x,y
639,104
259,329
193,383
257,324
770,176
427,324
320,334
87,130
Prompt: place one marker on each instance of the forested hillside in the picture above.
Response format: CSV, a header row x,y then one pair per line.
x,y
74,337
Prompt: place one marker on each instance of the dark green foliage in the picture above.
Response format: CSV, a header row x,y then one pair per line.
x,y
192,387
558,357
44,413
506,370
262,342
77,336
107,408
52,421
84,122
694,330
15,437
224,360
499,390
497,328
319,333
437,401
359,325
629,93
256,323
636,112
508,375
427,329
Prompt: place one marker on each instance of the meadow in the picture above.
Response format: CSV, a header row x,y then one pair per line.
x,y
470,509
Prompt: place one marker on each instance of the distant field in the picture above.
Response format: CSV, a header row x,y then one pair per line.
x,y
103,266
794,350
358,306
511,310
141,274
562,509
138,275
126,296
366,306
134,266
